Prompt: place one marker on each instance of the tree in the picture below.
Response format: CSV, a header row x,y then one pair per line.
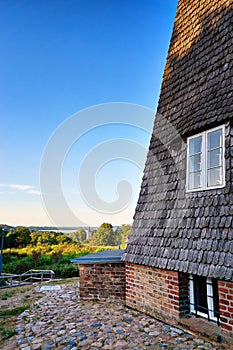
x,y
122,233
125,230
105,225
49,237
18,237
104,236
79,236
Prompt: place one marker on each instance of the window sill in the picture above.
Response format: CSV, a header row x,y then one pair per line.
x,y
205,189
202,315
203,327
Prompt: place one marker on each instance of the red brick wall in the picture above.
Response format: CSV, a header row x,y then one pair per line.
x,y
225,290
156,291
165,295
102,280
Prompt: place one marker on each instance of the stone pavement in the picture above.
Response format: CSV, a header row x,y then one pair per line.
x,y
60,320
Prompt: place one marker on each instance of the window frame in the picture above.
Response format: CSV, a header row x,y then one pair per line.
x,y
210,315
204,160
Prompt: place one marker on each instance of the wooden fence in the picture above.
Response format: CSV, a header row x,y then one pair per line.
x,y
29,277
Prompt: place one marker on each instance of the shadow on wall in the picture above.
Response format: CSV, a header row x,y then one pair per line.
x,y
197,74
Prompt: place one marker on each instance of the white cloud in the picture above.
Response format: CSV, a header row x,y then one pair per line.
x,y
25,188
34,192
21,187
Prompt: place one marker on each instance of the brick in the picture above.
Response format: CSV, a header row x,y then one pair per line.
x,y
226,314
102,280
227,327
160,289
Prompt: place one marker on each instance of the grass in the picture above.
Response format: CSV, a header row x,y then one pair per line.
x,y
5,295
63,281
14,312
8,293
8,334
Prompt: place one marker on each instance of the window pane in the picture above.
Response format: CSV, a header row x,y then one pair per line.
x,y
195,163
195,145
214,158
214,139
200,294
215,297
214,177
194,180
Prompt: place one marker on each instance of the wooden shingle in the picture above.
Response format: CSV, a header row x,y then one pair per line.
x,y
189,231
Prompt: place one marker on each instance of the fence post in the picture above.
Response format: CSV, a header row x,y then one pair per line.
x,y
1,251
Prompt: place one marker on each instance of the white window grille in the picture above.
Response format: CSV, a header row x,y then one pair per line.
x,y
205,160
204,300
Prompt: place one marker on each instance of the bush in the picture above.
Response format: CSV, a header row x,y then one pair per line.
x,y
65,270
45,257
23,265
44,262
18,266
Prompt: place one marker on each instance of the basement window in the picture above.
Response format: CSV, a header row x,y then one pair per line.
x,y
204,300
205,160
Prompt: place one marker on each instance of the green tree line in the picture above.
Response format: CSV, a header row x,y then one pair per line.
x,y
105,235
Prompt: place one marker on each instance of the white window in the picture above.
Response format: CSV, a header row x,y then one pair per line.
x,y
204,300
205,160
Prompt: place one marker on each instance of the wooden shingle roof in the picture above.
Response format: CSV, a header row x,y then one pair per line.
x,y
189,232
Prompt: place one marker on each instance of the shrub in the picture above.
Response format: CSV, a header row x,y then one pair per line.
x,y
65,270
45,257
23,265
44,262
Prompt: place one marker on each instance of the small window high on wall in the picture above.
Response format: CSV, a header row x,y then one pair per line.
x,y
205,160
204,300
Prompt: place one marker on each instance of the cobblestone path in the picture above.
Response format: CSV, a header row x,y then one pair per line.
x,y
61,321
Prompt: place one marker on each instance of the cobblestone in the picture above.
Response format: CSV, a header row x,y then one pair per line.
x,y
60,320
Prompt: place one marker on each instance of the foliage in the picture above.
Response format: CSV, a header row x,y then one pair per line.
x,y
47,237
36,255
79,236
105,225
7,294
56,258
8,334
125,232
14,311
65,270
45,250
126,229
21,237
18,237
22,266
104,236
62,268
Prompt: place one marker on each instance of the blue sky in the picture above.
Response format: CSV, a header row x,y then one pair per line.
x,y
58,58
